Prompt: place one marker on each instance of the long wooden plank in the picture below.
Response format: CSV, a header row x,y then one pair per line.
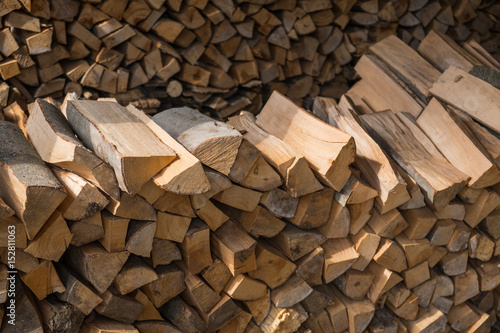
x,y
439,180
407,64
463,153
50,134
120,139
185,174
370,158
299,179
328,150
478,99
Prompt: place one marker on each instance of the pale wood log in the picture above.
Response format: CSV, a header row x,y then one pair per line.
x,y
272,267
172,227
299,180
339,220
335,172
391,256
164,252
195,248
258,223
488,273
95,264
398,295
466,286
185,174
480,246
234,247
175,203
365,243
437,190
420,222
115,232
118,307
217,275
383,321
318,300
408,310
339,256
416,275
140,236
491,224
389,224
132,207
259,308
132,167
43,280
77,292
222,313
369,158
34,194
454,263
416,250
149,312
276,319
310,267
293,291
198,293
338,315
295,243
445,130
381,89
455,210
133,275
183,316
169,284
459,238
237,324
239,197
52,240
487,202
360,214
218,183
57,315
384,279
84,199
444,286
442,232
417,198
461,317
215,144
455,84
25,262
354,284
243,288
359,313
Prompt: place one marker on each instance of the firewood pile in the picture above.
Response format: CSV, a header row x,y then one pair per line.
x,y
217,56
378,212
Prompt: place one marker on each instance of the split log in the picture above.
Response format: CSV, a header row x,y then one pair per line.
x,y
276,119
299,180
132,166
370,159
34,191
43,280
384,126
215,144
195,248
169,284
185,174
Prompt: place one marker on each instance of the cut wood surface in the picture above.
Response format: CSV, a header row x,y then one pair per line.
x,y
465,92
134,158
215,144
310,137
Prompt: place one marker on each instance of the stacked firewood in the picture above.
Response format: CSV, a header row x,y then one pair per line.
x,y
218,56
380,212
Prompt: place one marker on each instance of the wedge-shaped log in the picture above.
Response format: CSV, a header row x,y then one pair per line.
x,y
43,280
169,284
291,165
77,292
477,98
328,150
234,247
27,185
439,180
95,264
447,132
360,313
121,139
214,143
56,143
84,199
185,174
371,160
295,243
339,257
